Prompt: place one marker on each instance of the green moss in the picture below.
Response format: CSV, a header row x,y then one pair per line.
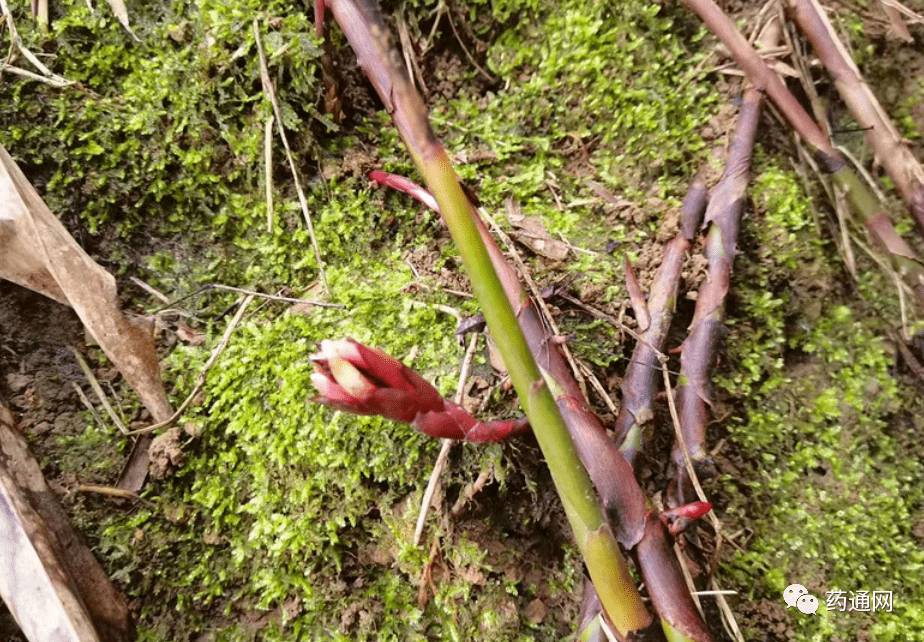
x,y
837,496
284,504
909,126
591,92
304,516
163,134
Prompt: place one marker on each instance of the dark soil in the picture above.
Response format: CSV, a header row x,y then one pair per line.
x,y
38,366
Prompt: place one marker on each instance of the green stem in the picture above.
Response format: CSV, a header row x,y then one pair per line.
x,y
607,567
371,39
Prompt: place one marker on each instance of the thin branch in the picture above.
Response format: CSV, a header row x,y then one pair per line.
x,y
259,295
98,389
200,381
413,67
681,441
111,492
862,201
270,91
157,294
47,76
468,54
25,73
913,17
447,443
268,170
891,149
86,402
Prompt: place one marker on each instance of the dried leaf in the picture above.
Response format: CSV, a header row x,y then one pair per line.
x,y
608,196
52,584
897,27
494,356
135,471
191,336
38,253
474,323
637,299
121,12
531,232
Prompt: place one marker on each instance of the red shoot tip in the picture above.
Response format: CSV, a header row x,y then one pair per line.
x,y
679,518
405,185
355,378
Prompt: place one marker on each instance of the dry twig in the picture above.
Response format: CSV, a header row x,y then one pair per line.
x,y
892,151
268,170
862,201
270,90
98,389
46,75
447,443
110,491
87,403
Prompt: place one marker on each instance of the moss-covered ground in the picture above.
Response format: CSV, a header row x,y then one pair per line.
x,y
287,521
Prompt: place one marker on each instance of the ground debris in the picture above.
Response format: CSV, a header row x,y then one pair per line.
x,y
166,453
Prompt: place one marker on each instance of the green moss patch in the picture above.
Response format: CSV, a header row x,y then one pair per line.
x,y
289,521
825,482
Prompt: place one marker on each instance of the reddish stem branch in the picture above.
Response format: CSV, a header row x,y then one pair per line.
x,y
861,200
891,149
637,528
698,353
640,384
625,505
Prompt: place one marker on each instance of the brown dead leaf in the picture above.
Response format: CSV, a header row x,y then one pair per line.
x,y
897,28
189,335
38,253
608,196
474,391
494,356
536,611
530,231
51,583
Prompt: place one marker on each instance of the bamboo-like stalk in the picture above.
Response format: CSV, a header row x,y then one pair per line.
x,y
890,148
370,38
862,202
640,384
611,473
590,626
698,353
